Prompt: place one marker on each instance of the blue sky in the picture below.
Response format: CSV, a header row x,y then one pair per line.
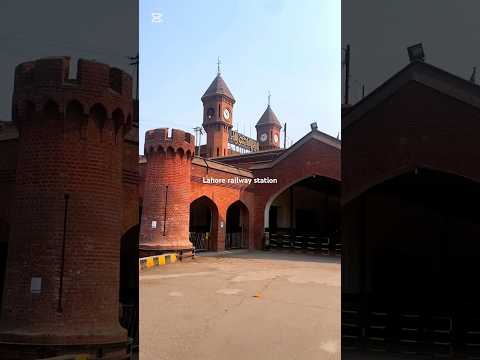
x,y
290,47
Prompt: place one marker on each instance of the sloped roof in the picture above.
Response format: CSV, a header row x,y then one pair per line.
x,y
218,87
420,72
268,118
216,165
315,135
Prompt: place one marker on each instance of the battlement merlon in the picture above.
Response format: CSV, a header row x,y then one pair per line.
x,y
179,139
91,75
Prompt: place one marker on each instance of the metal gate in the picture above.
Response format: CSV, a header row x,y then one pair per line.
x,y
237,240
201,241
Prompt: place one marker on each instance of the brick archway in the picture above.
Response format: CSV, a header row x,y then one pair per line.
x,y
237,226
306,210
422,217
397,172
280,191
203,224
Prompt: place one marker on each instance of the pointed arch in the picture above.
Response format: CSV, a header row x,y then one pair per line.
x,y
181,153
99,115
237,226
51,110
285,187
75,116
203,225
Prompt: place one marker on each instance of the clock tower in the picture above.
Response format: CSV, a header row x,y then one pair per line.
x,y
218,104
268,130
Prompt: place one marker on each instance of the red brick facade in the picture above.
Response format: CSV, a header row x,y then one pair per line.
x,y
316,154
222,196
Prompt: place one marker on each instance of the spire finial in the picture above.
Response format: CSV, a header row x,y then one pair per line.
x,y
269,96
218,65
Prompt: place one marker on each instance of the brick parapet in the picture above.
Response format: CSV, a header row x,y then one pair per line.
x,y
40,82
158,140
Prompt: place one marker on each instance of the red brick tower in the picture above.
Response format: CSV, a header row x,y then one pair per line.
x,y
218,104
166,205
268,130
62,280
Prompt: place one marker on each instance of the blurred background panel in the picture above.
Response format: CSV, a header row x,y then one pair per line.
x,y
69,219
410,179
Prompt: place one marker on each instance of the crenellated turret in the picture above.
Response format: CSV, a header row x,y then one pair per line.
x,y
166,207
62,282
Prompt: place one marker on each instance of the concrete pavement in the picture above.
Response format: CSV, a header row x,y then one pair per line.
x,y
247,305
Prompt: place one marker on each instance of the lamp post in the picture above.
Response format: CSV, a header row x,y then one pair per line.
x,y
347,72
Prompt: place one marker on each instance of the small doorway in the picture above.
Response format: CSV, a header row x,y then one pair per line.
x,y
237,226
203,216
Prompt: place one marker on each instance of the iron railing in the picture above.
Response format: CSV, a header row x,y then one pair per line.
x,y
201,241
236,240
291,240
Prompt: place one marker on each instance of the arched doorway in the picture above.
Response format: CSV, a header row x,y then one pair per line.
x,y
4,235
203,217
305,215
128,292
420,234
413,255
237,226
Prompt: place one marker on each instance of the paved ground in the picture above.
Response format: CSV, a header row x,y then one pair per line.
x,y
249,306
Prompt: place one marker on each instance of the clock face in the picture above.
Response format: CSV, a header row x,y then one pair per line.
x,y
275,138
226,114
263,137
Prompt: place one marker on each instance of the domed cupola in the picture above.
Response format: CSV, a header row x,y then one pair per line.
x,y
268,129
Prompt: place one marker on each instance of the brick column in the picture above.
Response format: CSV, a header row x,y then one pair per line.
x,y
166,209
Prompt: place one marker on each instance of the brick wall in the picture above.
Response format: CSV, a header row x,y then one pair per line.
x,y
416,127
312,158
222,195
8,163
